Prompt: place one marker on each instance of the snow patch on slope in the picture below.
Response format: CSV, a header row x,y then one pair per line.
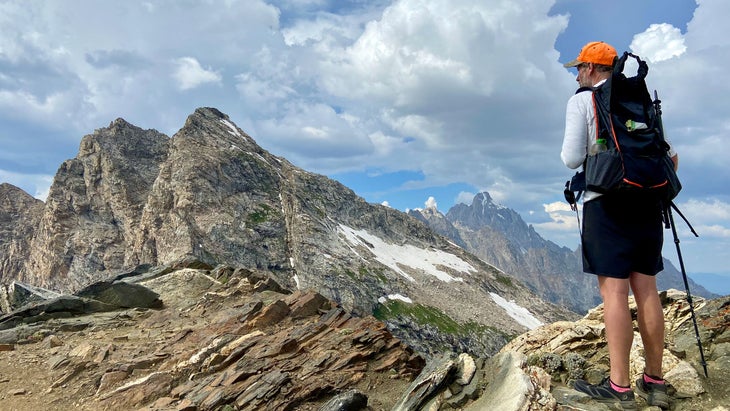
x,y
232,127
400,297
520,314
394,256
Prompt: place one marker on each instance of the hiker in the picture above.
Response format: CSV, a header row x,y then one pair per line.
x,y
622,242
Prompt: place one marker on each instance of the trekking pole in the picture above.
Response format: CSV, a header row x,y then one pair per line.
x,y
658,111
686,282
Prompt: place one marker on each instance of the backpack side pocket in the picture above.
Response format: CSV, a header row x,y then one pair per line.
x,y
604,170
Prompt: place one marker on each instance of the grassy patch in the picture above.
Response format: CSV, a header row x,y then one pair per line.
x,y
365,271
419,313
260,215
379,273
432,316
504,280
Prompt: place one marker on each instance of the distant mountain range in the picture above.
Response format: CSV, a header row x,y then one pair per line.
x,y
499,236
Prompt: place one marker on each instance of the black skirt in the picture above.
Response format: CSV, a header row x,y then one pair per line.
x,y
622,234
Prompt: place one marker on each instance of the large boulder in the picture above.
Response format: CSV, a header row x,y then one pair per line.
x,y
121,294
18,294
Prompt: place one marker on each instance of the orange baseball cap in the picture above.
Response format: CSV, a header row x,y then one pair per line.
x,y
596,52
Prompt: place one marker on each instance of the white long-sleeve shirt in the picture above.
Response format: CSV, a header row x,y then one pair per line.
x,y
580,132
580,128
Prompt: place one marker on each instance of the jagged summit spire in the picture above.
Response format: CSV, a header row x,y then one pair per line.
x,y
120,123
207,114
210,127
120,126
482,198
211,112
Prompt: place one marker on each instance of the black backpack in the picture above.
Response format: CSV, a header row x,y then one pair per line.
x,y
635,158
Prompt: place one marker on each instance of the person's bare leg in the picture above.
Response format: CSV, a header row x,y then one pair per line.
x,y
650,318
619,329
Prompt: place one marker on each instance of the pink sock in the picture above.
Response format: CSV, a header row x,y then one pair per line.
x,y
619,388
648,378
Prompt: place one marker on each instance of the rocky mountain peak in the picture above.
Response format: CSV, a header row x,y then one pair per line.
x,y
431,212
211,128
204,118
120,124
209,113
484,212
120,138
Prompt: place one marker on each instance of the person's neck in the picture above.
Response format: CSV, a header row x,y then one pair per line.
x,y
599,77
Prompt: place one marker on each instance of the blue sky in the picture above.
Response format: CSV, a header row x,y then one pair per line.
x,y
400,100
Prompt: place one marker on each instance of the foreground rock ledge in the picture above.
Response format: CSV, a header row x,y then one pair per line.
x,y
233,339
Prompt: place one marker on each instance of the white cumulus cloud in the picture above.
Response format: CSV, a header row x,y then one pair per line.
x,y
431,203
659,42
190,74
710,217
562,218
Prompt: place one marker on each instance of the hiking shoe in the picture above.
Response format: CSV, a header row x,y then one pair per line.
x,y
654,394
605,394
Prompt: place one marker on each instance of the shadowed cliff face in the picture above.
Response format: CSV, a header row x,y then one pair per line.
x,y
94,206
211,194
19,216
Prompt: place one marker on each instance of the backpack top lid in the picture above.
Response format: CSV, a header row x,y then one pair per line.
x,y
621,62
626,96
